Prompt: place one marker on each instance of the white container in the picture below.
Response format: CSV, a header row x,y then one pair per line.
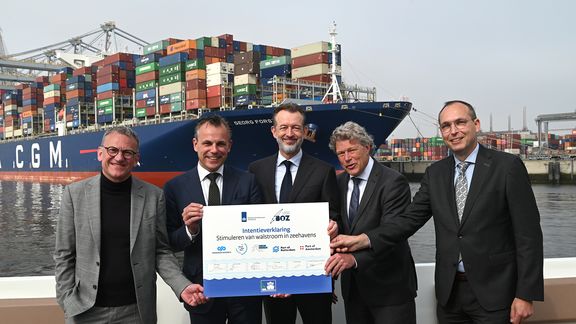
x,y
310,70
54,93
171,88
245,79
216,79
318,47
219,68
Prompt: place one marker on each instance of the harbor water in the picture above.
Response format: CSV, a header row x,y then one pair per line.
x,y
29,212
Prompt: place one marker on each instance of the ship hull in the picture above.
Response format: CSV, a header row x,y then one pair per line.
x,y
166,148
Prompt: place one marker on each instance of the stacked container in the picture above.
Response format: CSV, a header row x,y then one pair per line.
x,y
172,70
80,98
1,114
274,67
115,80
11,100
246,78
147,71
216,51
55,100
219,80
312,62
32,100
195,84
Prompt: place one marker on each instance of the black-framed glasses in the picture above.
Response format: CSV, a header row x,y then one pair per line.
x,y
113,151
460,124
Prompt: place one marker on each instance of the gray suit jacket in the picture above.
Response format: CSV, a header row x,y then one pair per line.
x,y
77,253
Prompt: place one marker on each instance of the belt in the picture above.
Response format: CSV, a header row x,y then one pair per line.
x,y
461,276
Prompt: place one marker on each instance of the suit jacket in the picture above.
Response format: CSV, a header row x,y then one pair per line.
x,y
387,279
499,237
238,188
77,253
315,182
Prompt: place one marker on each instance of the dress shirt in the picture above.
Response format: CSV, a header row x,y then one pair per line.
x,y
205,183
362,185
281,170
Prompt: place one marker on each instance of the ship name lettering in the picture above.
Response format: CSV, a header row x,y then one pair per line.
x,y
19,149
34,149
55,154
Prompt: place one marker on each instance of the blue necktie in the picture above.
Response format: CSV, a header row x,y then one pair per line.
x,y
286,187
354,200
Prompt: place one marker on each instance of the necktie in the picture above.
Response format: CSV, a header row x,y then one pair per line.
x,y
461,188
213,191
354,200
286,187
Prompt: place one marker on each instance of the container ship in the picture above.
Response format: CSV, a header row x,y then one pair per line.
x,y
50,129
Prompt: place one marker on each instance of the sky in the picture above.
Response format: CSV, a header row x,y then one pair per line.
x,y
502,56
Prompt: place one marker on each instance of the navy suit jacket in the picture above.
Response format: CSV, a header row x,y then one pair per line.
x,y
499,237
387,279
239,188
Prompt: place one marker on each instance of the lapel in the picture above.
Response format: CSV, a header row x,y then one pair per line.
x,y
343,189
269,170
448,183
481,172
373,179
304,173
137,197
229,184
92,211
193,186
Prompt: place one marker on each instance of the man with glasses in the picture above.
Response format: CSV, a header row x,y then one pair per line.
x,y
376,289
292,176
211,182
111,240
489,254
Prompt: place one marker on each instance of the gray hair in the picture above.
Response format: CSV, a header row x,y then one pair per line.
x,y
350,131
126,131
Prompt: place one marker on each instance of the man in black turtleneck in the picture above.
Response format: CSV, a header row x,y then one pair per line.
x,y
111,240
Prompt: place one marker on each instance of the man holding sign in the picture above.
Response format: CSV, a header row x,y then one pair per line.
x,y
209,183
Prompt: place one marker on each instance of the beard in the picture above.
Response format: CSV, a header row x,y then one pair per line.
x,y
290,149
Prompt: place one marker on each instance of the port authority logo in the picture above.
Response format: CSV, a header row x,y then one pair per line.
x,y
260,248
221,249
268,286
281,216
242,249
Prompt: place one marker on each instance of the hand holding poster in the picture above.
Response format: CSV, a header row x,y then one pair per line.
x,y
265,249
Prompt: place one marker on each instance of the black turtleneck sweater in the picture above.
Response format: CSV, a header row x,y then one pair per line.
x,y
116,283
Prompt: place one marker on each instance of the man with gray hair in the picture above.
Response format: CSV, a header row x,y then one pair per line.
x,y
111,240
375,289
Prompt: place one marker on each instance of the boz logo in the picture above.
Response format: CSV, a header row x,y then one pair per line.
x,y
281,216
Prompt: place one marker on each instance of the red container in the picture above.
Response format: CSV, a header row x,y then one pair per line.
x,y
150,111
195,74
104,95
228,38
195,104
59,78
108,69
82,71
148,76
165,109
215,52
51,100
213,102
196,94
196,84
310,59
75,93
107,78
326,78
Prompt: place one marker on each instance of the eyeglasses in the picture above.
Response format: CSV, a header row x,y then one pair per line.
x,y
113,151
460,124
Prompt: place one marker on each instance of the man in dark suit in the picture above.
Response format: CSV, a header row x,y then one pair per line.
x,y
111,240
209,183
307,180
489,254
376,289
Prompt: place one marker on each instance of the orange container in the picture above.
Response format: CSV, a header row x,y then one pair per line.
x,y
196,94
195,104
195,74
181,46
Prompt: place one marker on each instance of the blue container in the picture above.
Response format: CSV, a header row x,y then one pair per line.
x,y
164,99
146,94
287,52
150,102
200,53
221,43
173,59
108,87
29,102
145,59
88,93
72,101
230,58
280,70
244,100
76,79
67,70
236,46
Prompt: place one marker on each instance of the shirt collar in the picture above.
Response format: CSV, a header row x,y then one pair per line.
x,y
202,172
295,159
470,158
366,172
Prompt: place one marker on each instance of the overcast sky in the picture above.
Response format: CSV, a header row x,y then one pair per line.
x,y
500,56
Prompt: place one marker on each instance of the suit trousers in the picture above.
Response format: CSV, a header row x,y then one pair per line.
x,y
237,310
463,307
313,308
127,314
359,312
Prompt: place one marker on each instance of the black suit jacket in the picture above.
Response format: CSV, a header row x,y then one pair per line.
x,y
315,182
499,236
387,279
238,188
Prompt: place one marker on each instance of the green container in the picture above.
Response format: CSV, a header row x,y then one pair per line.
x,y
104,103
176,106
168,79
147,68
154,47
245,89
176,97
275,61
171,69
105,110
436,141
141,112
146,85
51,87
195,64
203,42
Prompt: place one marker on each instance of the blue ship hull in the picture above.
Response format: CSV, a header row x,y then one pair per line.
x,y
166,148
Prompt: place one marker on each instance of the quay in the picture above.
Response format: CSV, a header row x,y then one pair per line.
x,y
544,171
